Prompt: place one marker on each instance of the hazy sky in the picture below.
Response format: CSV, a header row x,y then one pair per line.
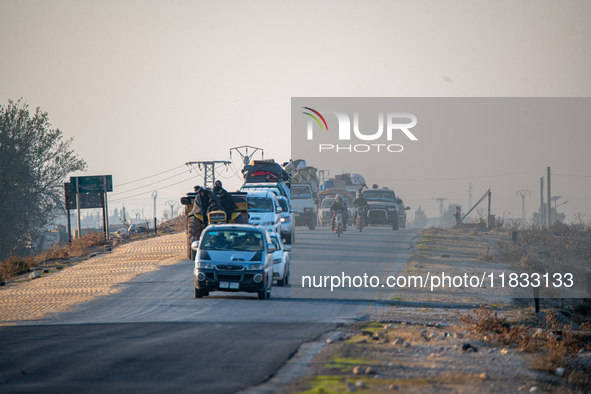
x,y
146,86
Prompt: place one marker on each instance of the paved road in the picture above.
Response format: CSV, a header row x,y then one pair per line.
x,y
154,336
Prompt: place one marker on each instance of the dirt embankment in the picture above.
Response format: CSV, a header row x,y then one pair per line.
x,y
460,340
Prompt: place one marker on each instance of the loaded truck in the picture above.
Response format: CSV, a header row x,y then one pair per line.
x,y
197,221
304,193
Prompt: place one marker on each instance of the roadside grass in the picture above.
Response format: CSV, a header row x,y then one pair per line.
x,y
486,256
15,266
329,384
346,364
552,343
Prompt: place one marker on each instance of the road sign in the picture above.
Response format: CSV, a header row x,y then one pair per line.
x,y
91,184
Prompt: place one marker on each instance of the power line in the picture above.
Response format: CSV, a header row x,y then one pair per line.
x,y
149,184
150,176
451,179
163,187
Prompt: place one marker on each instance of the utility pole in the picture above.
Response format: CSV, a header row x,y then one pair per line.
x,y
488,218
470,194
549,204
440,200
154,195
172,204
523,193
542,211
209,169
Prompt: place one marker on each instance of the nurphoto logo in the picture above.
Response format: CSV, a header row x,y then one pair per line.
x,y
393,125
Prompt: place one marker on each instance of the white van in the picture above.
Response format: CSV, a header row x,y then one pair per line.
x,y
264,210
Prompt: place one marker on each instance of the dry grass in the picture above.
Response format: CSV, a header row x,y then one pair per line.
x,y
18,265
553,343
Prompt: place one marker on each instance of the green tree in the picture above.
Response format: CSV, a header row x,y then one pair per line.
x,y
34,162
420,219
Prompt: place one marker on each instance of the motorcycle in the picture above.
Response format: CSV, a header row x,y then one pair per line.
x,y
337,223
360,220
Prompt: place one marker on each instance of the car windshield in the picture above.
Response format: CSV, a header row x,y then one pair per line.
x,y
300,192
379,194
238,240
260,204
283,205
327,202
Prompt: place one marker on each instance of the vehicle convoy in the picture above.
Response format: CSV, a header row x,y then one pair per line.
x,y
281,261
264,210
401,212
198,216
234,258
263,175
304,193
382,207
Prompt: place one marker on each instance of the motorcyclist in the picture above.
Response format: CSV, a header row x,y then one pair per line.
x,y
359,203
339,205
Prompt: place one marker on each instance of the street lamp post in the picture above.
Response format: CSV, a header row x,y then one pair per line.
x,y
556,206
555,198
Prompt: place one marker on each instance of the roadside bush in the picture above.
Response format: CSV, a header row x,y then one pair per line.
x,y
13,266
16,265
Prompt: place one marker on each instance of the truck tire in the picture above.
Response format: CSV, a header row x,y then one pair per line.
x,y
193,234
395,224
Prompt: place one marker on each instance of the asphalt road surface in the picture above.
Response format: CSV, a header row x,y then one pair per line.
x,y
154,337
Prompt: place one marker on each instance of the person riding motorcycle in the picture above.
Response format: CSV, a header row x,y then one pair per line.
x,y
360,203
339,205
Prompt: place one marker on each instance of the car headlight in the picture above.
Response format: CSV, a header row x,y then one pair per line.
x,y
251,267
286,219
277,261
204,264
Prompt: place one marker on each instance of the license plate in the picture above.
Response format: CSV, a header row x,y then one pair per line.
x,y
229,285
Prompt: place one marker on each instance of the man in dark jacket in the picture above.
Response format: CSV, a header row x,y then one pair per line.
x,y
203,201
359,203
339,205
217,187
228,204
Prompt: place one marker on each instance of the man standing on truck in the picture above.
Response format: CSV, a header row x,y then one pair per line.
x,y
217,187
228,204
